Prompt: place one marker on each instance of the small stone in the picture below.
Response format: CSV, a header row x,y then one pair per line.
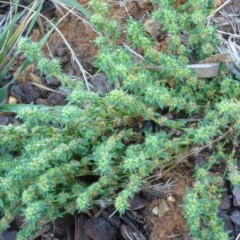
x,y
171,199
228,226
225,202
237,228
236,197
155,210
200,159
235,217
12,100
114,220
60,51
99,229
8,235
53,82
24,93
5,120
101,84
137,203
56,99
152,27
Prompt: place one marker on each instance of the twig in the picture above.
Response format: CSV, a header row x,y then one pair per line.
x,y
132,51
47,88
219,8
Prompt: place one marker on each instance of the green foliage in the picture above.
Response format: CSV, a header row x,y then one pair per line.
x,y
201,205
189,17
46,160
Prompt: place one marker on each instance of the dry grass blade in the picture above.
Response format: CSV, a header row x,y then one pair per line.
x,y
218,9
159,189
73,55
218,58
228,28
231,47
47,88
69,10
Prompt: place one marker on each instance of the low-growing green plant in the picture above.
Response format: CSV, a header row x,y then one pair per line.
x,y
45,161
201,204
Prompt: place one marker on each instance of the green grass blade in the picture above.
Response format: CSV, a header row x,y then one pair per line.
x,y
46,36
3,90
3,93
34,19
78,6
6,68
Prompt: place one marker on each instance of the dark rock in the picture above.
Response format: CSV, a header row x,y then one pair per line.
x,y
60,51
63,224
200,159
5,120
101,84
114,220
137,202
236,197
56,99
228,226
24,93
8,235
225,202
53,82
149,126
20,221
99,229
237,228
235,217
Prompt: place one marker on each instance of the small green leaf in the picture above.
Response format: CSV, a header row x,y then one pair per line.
x,y
1,203
78,6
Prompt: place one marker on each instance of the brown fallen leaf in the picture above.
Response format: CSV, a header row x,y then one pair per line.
x,y
41,101
203,70
143,4
34,78
152,27
23,77
161,208
218,58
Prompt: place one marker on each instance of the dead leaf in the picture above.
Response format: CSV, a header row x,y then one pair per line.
x,y
144,4
152,27
23,77
218,58
34,78
161,208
